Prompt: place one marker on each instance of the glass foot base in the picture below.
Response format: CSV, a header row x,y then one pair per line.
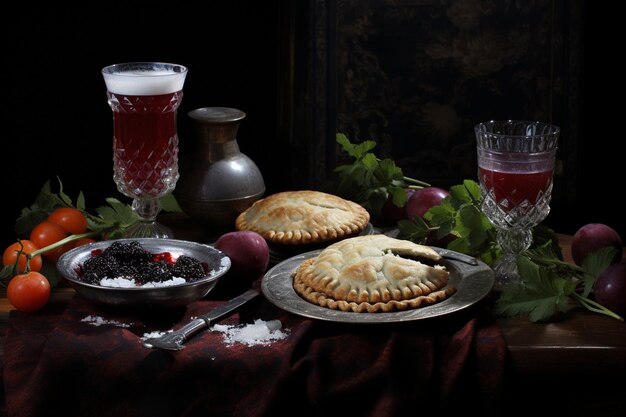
x,y
152,229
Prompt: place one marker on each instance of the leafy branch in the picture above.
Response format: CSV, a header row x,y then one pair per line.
x,y
459,216
369,180
550,285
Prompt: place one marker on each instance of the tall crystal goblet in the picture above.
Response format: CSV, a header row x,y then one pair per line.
x,y
515,171
144,98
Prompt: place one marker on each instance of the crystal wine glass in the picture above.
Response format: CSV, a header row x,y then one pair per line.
x,y
144,98
515,171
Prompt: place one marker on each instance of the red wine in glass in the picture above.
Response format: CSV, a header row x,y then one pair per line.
x,y
145,144
516,187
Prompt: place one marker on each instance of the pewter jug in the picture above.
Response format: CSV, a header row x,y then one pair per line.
x,y
217,181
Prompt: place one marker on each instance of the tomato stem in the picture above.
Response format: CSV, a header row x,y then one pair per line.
x,y
16,268
70,238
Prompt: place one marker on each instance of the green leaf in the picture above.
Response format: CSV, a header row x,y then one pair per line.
x,y
398,195
471,218
417,231
440,213
169,204
443,217
80,202
6,272
473,190
45,202
124,214
357,151
544,236
49,270
29,218
460,193
374,199
546,255
539,297
368,180
389,171
64,197
370,162
461,245
593,264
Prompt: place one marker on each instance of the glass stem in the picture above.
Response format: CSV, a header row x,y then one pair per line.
x,y
147,227
147,208
513,242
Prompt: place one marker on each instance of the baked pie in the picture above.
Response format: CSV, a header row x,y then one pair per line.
x,y
303,217
373,273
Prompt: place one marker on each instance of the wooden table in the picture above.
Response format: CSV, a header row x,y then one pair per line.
x,y
579,354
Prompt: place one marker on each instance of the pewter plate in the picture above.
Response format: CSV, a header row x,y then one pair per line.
x,y
473,283
218,264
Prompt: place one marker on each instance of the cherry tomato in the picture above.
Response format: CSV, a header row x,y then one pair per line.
x,y
83,241
10,256
70,219
28,292
45,234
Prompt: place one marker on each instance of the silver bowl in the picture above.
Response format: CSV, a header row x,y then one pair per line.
x,y
219,263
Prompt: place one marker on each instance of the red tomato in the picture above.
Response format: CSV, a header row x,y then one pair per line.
x,y
70,219
83,241
28,292
47,233
10,256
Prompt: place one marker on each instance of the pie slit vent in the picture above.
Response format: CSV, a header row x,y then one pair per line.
x,y
373,273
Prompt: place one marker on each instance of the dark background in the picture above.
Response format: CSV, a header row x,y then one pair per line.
x,y
57,120
244,54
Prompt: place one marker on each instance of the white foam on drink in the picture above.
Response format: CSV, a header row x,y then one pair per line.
x,y
148,82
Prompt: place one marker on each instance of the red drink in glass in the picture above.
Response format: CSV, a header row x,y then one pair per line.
x,y
516,187
145,143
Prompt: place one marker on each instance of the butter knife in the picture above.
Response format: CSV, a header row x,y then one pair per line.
x,y
457,256
174,340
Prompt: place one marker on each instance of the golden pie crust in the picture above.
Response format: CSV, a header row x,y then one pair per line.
x,y
303,217
373,273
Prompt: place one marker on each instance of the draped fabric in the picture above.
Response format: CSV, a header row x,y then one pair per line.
x,y
59,362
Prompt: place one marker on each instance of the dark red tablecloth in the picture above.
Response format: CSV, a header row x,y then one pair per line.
x,y
56,364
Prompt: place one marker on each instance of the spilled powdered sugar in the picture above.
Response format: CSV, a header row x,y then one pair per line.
x,y
99,321
154,334
253,334
258,333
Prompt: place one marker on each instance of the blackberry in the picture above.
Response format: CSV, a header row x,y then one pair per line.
x,y
150,272
128,252
188,268
130,260
98,267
